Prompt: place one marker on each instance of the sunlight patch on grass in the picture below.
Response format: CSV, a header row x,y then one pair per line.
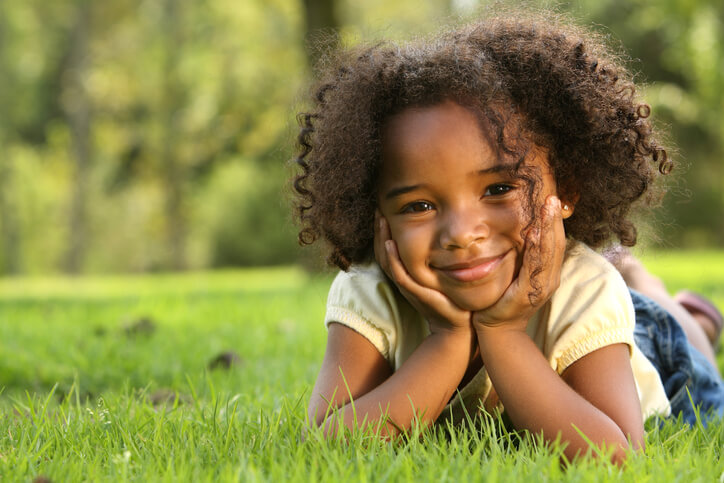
x,y
249,280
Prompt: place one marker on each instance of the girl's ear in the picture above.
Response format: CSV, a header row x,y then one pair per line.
x,y
568,204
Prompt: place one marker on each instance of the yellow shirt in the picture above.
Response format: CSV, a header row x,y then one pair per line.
x,y
591,309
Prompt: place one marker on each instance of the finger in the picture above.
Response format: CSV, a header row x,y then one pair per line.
x,y
531,258
418,295
538,275
385,229
379,240
553,240
402,278
560,243
382,235
398,273
550,248
397,270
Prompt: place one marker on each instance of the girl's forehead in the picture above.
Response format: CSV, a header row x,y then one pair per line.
x,y
421,132
418,123
431,131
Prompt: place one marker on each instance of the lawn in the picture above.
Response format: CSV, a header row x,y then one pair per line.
x,y
205,377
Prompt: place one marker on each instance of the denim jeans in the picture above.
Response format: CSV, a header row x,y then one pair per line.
x,y
689,379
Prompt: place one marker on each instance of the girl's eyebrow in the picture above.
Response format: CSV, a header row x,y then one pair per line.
x,y
507,167
498,168
401,191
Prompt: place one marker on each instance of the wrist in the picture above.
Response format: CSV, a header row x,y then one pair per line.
x,y
458,340
516,324
452,332
497,332
453,348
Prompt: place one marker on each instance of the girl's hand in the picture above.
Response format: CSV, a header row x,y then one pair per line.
x,y
439,311
539,275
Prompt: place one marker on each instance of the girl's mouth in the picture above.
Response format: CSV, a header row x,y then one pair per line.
x,y
472,270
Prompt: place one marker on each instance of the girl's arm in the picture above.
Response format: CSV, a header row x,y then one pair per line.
x,y
352,367
357,380
594,400
596,396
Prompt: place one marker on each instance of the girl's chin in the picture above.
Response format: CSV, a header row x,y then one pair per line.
x,y
474,304
482,295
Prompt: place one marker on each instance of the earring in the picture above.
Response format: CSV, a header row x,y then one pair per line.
x,y
565,207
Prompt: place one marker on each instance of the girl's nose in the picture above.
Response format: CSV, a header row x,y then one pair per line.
x,y
460,230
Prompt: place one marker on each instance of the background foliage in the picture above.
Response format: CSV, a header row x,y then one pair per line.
x,y
141,135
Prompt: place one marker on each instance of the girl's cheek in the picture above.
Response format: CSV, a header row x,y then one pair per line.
x,y
513,225
401,237
511,216
411,241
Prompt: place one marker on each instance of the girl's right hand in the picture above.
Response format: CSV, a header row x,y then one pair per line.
x,y
439,311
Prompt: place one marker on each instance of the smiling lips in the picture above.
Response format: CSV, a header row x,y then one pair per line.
x,y
473,270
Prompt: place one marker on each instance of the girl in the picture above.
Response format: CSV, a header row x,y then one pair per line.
x,y
461,183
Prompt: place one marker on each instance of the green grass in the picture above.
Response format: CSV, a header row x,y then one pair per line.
x,y
84,397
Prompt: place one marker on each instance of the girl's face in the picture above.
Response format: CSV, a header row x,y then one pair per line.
x,y
453,209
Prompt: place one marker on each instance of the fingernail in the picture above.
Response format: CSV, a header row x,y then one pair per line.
x,y
533,235
554,201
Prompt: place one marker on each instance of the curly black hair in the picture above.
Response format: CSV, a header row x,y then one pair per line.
x,y
572,97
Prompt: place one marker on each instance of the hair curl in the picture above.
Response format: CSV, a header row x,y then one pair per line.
x,y
570,94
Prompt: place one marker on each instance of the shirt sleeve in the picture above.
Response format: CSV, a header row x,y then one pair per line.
x,y
364,301
591,309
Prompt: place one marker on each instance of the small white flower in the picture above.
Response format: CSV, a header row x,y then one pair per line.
x,y
123,458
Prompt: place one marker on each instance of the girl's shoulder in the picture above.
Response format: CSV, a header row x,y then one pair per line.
x,y
365,300
590,309
584,266
592,284
359,279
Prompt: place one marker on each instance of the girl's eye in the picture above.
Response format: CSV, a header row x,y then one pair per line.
x,y
497,189
417,207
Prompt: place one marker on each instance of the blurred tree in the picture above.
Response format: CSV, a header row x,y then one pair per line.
x,y
76,107
31,59
9,231
173,101
321,28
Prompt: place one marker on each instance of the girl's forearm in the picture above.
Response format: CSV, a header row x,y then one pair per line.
x,y
419,390
538,400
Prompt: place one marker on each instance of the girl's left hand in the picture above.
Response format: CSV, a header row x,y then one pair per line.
x,y
539,274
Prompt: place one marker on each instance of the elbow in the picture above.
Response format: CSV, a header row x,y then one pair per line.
x,y
318,418
320,424
312,423
619,456
327,422
630,443
616,448
615,454
315,418
338,423
619,451
634,444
